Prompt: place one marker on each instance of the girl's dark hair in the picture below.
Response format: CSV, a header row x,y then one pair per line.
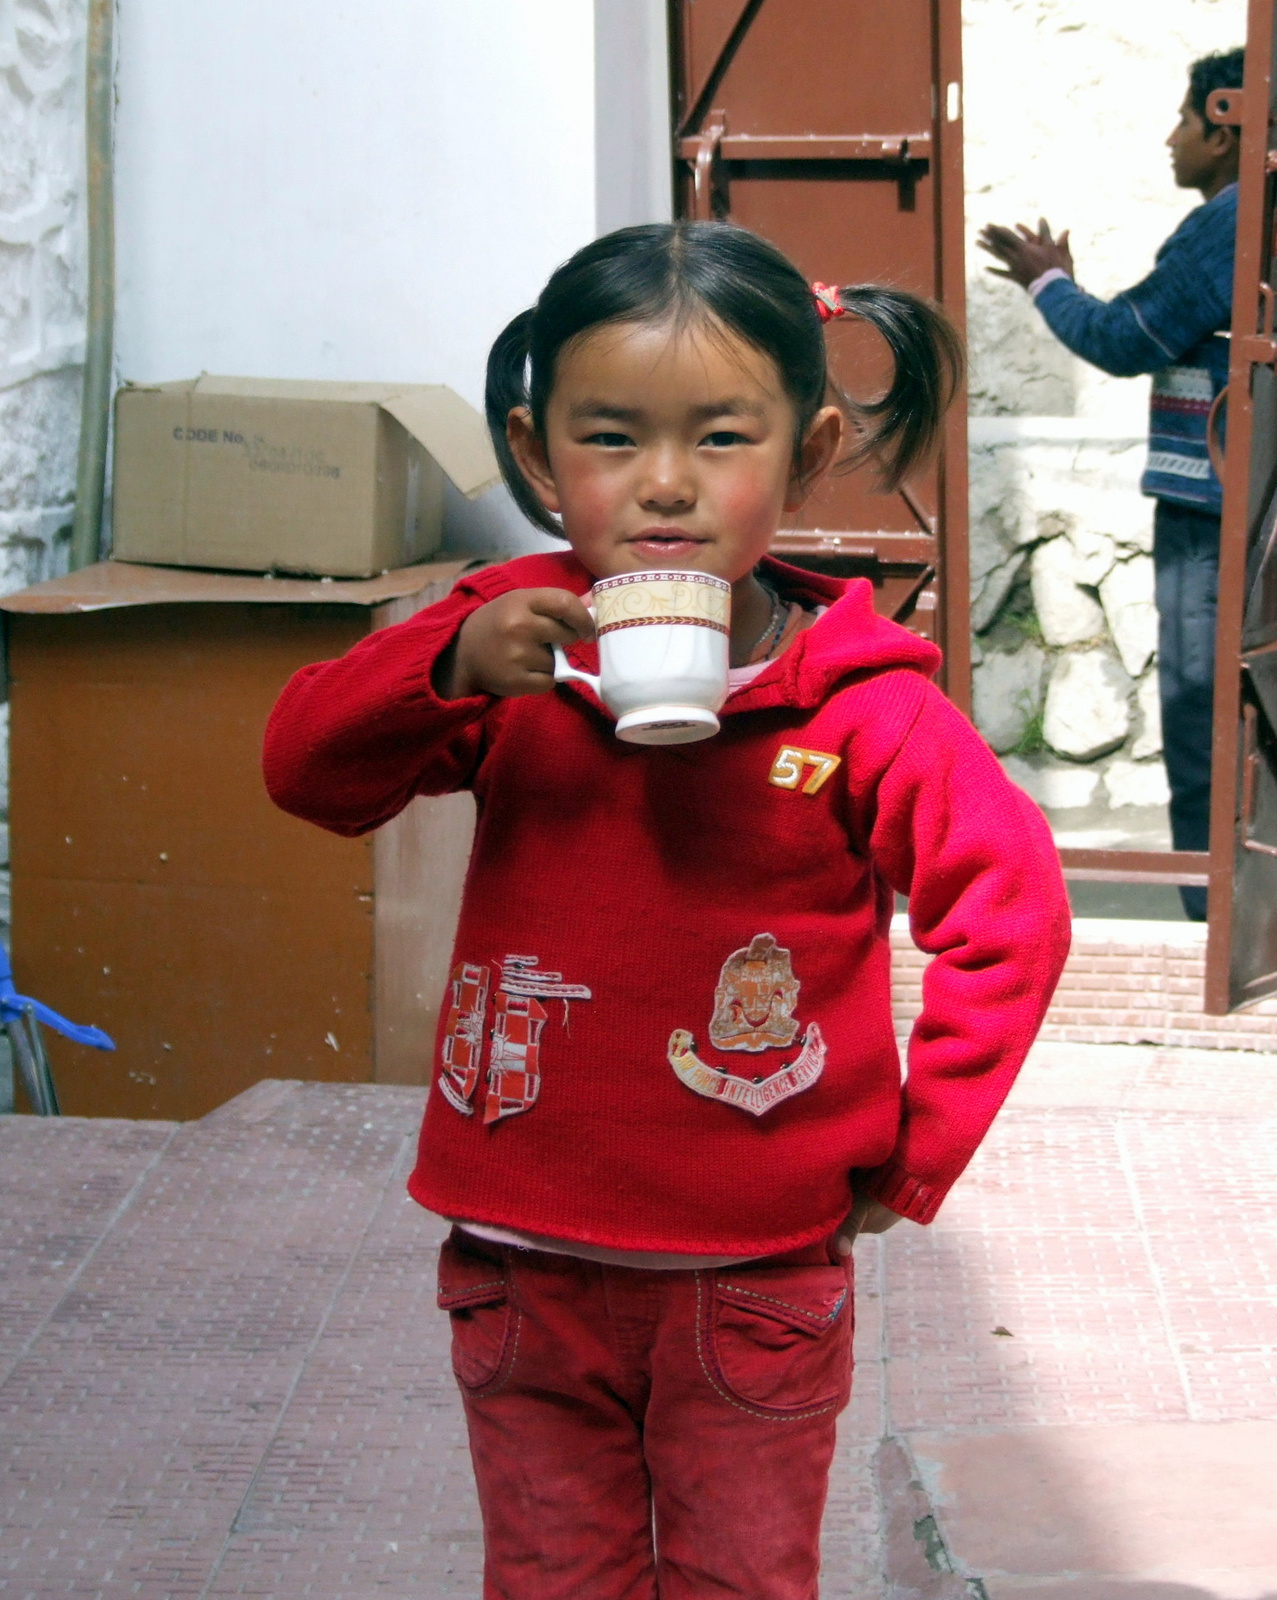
x,y
683,271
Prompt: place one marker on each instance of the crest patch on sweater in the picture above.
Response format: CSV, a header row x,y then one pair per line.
x,y
754,1005
514,1060
755,998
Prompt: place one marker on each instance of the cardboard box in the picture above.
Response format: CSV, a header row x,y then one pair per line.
x,y
341,480
157,891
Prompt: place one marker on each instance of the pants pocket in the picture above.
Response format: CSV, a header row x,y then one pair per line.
x,y
778,1339
474,1289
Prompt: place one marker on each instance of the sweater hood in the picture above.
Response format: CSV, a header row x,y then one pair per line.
x,y
849,639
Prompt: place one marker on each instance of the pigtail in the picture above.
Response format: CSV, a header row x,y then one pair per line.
x,y
898,432
506,388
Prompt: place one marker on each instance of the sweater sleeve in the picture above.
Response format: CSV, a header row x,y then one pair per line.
x,y
1186,297
1107,333
987,903
351,742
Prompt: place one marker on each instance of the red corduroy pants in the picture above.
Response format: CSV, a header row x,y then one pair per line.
x,y
638,1434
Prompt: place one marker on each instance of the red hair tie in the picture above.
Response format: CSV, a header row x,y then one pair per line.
x,y
828,301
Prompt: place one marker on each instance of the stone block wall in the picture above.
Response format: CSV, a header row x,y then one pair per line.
x,y
1065,680
1067,106
42,288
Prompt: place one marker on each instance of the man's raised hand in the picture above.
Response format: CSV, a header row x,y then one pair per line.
x,y
1024,253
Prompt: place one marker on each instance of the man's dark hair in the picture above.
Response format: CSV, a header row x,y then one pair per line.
x,y
1223,70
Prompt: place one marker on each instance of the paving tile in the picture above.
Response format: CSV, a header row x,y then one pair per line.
x,y
1086,1342
366,1484
850,1564
1140,1078
237,1384
1209,1585
850,1546
1233,1386
137,1421
1196,1170
1044,1169
62,1182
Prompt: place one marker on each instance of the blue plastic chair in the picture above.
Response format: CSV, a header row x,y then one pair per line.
x,y
21,1018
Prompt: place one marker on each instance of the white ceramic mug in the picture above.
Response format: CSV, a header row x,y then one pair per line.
x,y
663,640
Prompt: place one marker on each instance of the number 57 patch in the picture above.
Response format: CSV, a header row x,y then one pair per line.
x,y
791,762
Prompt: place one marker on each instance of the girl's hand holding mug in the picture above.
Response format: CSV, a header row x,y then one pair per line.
x,y
506,647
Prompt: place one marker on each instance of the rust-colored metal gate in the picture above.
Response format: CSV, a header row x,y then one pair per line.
x,y
835,130
1241,958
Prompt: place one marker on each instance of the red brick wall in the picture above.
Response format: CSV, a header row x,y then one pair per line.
x,y
1125,983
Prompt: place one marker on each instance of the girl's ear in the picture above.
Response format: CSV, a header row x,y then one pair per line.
x,y
816,454
528,449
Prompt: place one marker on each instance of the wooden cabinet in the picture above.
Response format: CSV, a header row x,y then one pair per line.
x,y
157,891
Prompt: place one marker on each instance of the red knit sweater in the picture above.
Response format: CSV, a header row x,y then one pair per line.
x,y
669,1025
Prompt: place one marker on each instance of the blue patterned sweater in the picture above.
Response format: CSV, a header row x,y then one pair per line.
x,y
1173,325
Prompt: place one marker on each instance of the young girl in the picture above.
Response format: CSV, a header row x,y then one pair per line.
x,y
666,1070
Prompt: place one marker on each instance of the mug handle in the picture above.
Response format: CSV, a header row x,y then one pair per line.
x,y
564,670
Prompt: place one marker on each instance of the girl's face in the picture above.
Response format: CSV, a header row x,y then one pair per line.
x,y
670,449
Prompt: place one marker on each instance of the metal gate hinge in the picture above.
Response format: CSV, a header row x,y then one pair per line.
x,y
1226,106
1260,352
707,145
1261,348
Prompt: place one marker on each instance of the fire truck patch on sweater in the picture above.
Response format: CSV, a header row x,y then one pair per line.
x,y
514,1067
463,1035
514,1060
753,1010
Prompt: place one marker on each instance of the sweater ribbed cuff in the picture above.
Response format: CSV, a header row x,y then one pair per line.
x,y
1051,275
464,707
900,1191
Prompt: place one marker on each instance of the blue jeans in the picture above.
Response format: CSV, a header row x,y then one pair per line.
x,y
1186,564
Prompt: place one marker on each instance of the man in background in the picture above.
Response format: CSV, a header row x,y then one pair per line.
x,y
1173,325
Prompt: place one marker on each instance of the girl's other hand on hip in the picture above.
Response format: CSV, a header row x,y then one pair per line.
x,y
865,1216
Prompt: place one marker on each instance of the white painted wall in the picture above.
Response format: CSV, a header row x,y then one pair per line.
x,y
633,176
348,190
354,190
368,190
42,266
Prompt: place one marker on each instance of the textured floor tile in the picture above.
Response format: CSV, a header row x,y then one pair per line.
x,y
237,1383
1013,1328
63,1182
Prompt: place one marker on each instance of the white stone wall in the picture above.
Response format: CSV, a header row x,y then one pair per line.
x,y
42,280
42,284
1067,107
